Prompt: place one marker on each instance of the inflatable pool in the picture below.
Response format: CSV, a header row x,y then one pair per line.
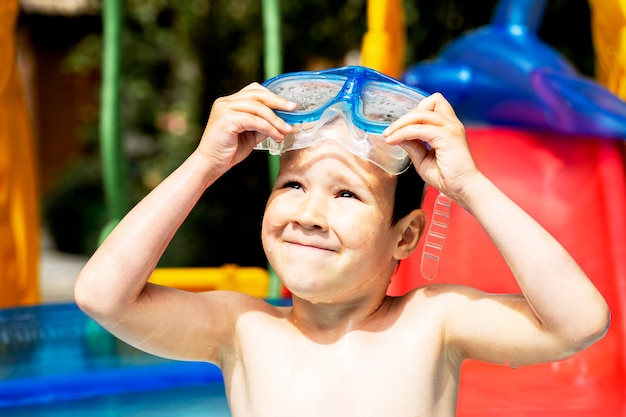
x,y
55,361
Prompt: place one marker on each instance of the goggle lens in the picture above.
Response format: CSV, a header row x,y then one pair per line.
x,y
382,103
308,95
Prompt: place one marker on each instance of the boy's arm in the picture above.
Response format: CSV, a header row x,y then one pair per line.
x,y
112,287
560,311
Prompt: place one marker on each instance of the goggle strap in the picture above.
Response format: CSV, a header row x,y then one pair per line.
x,y
436,236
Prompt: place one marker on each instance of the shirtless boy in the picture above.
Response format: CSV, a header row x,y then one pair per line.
x,y
344,348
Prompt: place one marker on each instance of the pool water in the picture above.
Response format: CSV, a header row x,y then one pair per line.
x,y
205,401
55,361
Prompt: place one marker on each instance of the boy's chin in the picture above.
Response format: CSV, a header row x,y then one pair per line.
x,y
313,294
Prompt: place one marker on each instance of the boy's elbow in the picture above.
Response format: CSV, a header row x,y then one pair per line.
x,y
81,293
92,300
85,296
602,324
592,329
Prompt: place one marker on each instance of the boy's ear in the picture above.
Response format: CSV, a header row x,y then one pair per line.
x,y
411,227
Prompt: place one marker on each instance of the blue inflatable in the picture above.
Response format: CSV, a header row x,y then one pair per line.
x,y
502,74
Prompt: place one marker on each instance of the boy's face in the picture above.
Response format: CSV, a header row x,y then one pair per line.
x,y
327,226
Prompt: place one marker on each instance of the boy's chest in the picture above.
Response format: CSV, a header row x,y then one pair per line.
x,y
368,372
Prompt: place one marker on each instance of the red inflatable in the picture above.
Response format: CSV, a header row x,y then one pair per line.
x,y
575,187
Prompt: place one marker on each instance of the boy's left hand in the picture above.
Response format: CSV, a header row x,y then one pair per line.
x,y
435,139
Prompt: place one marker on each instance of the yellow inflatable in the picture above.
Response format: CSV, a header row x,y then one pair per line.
x,y
608,25
250,280
19,214
384,44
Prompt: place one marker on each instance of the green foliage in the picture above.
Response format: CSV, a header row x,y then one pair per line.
x,y
74,209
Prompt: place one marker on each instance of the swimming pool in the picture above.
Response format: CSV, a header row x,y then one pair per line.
x,y
55,361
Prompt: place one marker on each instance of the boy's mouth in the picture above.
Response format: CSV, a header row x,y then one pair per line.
x,y
311,245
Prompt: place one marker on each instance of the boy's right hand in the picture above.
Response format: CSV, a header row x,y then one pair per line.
x,y
239,121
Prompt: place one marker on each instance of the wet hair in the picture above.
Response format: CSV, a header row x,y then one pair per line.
x,y
409,194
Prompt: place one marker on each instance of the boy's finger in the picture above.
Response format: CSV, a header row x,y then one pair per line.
x,y
265,96
264,130
263,112
417,117
438,104
241,123
433,110
412,133
416,150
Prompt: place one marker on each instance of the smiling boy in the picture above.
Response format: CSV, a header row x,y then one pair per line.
x,y
330,233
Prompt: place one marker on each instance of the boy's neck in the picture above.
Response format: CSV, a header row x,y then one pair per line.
x,y
328,322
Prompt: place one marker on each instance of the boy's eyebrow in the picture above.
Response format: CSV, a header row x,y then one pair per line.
x,y
343,177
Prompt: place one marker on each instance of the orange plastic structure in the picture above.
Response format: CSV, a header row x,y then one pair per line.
x,y
609,38
249,280
383,45
575,187
19,213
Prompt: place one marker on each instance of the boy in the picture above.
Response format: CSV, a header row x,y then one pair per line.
x,y
329,231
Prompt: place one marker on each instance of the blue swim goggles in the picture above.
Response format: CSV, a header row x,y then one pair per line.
x,y
366,100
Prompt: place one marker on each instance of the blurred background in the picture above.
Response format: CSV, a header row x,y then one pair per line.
x,y
177,57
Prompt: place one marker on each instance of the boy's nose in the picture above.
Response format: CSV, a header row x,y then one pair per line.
x,y
311,212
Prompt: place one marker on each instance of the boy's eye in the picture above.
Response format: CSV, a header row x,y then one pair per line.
x,y
347,194
292,184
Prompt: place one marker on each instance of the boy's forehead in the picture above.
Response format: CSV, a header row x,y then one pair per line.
x,y
327,150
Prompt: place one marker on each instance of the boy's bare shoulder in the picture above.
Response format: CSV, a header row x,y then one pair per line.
x,y
442,293
441,299
239,303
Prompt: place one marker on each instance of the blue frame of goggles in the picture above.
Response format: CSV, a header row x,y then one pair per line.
x,y
367,100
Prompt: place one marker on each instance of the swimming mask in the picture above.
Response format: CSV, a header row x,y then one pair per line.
x,y
366,100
